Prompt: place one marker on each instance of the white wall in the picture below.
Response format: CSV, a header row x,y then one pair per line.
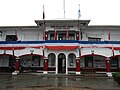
x,y
99,51
23,34
101,33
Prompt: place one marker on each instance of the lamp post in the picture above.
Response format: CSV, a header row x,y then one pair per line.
x,y
92,51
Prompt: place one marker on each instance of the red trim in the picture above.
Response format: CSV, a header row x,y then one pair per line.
x,y
116,48
113,48
62,47
11,48
18,48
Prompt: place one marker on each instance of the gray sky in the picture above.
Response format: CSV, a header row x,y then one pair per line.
x,y
24,12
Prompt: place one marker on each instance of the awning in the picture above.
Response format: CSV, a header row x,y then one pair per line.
x,y
62,47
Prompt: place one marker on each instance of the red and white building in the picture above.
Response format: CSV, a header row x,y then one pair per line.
x,y
60,46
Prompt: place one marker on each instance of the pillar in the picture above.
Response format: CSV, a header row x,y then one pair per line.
x,y
17,65
45,66
56,64
77,35
108,67
66,65
77,65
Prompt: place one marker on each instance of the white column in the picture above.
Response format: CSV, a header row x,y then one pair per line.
x,y
66,64
56,64
118,62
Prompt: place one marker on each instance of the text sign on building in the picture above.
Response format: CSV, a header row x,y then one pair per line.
x,y
62,27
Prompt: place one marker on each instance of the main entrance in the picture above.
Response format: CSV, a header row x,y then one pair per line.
x,y
88,61
61,63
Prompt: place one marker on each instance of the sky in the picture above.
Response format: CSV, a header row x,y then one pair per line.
x,y
24,12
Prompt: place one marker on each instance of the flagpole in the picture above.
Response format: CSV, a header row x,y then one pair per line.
x,y
78,18
44,23
78,14
64,7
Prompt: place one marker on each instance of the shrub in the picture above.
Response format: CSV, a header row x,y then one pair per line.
x,y
116,77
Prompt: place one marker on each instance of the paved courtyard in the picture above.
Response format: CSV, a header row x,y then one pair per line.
x,y
52,82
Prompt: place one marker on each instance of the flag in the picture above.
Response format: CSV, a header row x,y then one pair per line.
x,y
55,35
109,35
43,37
43,12
67,34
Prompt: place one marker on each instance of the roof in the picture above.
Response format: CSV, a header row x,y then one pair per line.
x,y
103,27
19,27
61,21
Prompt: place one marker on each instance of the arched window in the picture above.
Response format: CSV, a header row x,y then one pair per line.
x,y
51,59
71,60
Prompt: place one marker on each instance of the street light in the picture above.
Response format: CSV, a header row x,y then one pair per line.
x,y
31,51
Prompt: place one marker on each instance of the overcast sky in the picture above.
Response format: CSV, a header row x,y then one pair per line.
x,y
24,12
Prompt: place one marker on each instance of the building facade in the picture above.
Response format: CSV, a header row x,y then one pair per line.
x,y
60,46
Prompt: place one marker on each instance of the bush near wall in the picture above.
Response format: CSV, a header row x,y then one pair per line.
x,y
116,77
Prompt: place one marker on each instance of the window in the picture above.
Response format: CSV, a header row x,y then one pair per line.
x,y
51,61
62,36
72,60
114,62
11,38
99,62
51,36
72,36
94,39
4,61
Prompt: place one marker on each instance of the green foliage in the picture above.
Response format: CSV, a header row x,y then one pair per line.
x,y
116,77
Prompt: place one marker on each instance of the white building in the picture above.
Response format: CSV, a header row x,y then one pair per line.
x,y
60,46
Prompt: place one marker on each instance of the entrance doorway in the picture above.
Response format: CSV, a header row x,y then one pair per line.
x,y
61,63
88,61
